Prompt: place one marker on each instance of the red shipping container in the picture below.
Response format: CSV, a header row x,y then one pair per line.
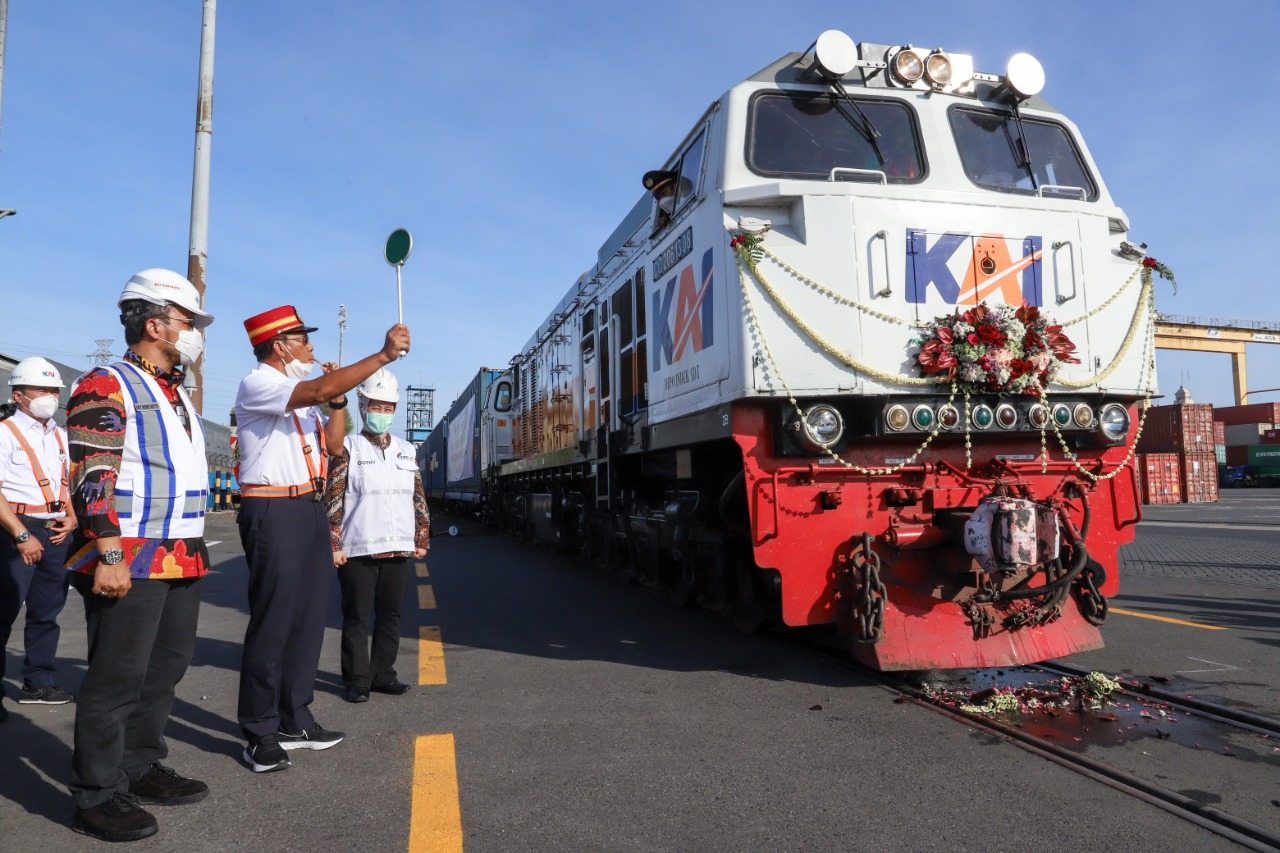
x,y
1219,432
1237,456
1178,429
1160,478
1254,413
1271,436
1199,478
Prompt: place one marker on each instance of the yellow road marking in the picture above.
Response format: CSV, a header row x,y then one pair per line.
x,y
430,656
426,597
436,822
420,570
1165,619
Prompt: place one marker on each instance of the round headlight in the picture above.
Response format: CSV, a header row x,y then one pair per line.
x,y
823,425
922,417
1061,415
896,418
949,416
1113,422
1025,75
1006,416
981,416
908,66
1083,415
1038,416
938,68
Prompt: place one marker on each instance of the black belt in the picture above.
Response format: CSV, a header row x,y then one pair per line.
x,y
46,523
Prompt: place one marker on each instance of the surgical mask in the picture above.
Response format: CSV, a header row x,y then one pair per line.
x,y
299,369
189,345
378,422
43,407
668,204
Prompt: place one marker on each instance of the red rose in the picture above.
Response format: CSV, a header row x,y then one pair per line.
x,y
992,336
1149,262
974,339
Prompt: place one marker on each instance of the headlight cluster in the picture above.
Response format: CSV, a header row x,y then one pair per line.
x,y
920,68
1110,422
819,427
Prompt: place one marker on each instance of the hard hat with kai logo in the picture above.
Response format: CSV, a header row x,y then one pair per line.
x,y
36,373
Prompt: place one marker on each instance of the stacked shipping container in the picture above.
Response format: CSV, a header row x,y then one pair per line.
x,y
1179,459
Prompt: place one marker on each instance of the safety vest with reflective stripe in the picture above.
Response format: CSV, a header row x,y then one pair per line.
x,y
164,478
377,510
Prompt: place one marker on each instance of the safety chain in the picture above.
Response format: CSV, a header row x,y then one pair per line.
x,y
1092,605
869,612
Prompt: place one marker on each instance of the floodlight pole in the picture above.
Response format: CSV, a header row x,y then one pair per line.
x,y
198,256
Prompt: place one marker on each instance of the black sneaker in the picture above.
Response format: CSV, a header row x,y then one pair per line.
x,y
391,688
118,819
161,786
316,737
264,754
51,695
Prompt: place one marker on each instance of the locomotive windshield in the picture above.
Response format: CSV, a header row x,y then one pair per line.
x,y
993,157
807,135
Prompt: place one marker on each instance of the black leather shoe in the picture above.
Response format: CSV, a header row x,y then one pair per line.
x,y
356,695
391,688
118,819
161,786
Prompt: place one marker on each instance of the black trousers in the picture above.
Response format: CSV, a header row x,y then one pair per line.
x,y
286,543
139,649
44,589
381,583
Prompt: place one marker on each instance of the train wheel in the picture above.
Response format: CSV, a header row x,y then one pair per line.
x,y
679,580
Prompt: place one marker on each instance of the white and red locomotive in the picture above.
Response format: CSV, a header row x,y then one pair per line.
x,y
730,404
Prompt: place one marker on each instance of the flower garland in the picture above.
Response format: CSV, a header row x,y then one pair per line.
x,y
997,343
1001,349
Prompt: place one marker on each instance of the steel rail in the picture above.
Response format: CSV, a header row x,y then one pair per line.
x,y
1220,823
1201,707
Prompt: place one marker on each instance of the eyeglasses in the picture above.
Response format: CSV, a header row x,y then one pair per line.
x,y
191,324
303,338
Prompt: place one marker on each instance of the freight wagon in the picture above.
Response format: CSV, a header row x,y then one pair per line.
x,y
473,438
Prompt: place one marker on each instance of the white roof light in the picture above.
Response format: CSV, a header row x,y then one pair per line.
x,y
836,54
1025,75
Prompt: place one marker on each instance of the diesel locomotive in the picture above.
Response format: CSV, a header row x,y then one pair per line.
x,y
881,366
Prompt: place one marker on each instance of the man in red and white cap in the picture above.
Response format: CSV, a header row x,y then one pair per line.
x,y
283,441
139,483
36,515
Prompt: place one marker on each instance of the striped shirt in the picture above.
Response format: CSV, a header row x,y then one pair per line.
x,y
95,432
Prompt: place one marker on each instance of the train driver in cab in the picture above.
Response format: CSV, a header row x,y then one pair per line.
x,y
663,186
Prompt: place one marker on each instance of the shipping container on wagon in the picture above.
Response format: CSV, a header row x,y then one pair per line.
x,y
1160,479
1254,413
1199,478
452,461
1262,456
1243,435
1219,432
1271,436
1178,429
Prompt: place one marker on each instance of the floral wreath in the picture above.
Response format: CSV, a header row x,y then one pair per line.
x,y
995,349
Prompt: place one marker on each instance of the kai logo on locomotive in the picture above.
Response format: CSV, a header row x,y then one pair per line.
x,y
691,327
990,270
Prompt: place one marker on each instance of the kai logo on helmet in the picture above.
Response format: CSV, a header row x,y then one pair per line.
x,y
691,327
966,269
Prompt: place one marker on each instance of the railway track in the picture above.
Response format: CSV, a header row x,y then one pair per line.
x,y
1066,749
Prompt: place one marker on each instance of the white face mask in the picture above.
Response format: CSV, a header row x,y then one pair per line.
x,y
43,407
189,344
668,204
298,369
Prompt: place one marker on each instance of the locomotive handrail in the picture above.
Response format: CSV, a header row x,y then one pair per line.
x,y
883,236
849,170
1071,253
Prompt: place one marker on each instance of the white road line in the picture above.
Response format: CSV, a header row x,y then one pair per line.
x,y
1225,667
209,543
1212,524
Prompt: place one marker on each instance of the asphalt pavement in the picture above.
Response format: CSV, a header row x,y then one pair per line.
x,y
584,715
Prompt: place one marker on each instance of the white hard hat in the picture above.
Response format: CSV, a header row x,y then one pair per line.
x,y
36,373
381,386
162,286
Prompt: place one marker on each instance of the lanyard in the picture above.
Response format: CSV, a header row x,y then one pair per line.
x,y
53,502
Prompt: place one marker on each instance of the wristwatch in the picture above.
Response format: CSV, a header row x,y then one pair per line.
x,y
111,556
22,537
341,405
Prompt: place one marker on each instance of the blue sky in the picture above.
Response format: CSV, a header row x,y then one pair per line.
x,y
510,138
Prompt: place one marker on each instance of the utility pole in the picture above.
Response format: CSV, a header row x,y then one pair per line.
x,y
342,326
198,256
4,29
